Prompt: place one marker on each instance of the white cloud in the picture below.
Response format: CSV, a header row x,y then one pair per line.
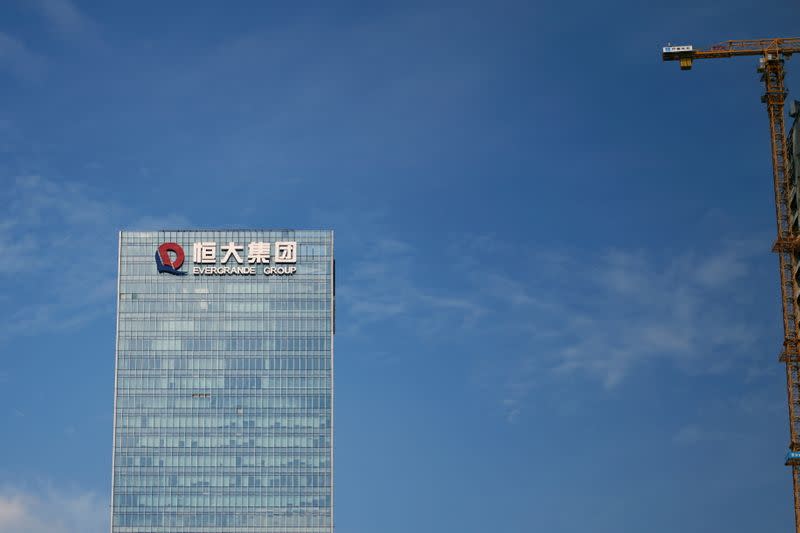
x,y
17,58
560,313
151,222
63,223
52,511
645,306
69,22
387,287
694,434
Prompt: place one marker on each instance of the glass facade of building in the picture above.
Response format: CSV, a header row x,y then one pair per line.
x,y
223,414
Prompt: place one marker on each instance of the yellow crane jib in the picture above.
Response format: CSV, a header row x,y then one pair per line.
x,y
780,48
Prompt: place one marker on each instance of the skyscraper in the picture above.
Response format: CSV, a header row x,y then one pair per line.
x,y
223,413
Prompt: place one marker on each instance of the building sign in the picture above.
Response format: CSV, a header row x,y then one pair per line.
x,y
231,259
165,261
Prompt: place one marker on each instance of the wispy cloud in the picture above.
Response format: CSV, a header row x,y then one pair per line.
x,y
624,309
386,286
51,511
69,22
722,417
640,306
19,60
561,313
694,434
68,226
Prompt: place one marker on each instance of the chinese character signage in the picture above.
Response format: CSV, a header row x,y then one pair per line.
x,y
230,258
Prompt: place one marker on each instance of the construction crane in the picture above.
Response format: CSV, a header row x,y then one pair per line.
x,y
771,54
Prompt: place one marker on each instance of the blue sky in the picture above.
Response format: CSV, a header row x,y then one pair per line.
x,y
557,307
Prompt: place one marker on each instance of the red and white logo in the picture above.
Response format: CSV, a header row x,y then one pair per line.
x,y
169,258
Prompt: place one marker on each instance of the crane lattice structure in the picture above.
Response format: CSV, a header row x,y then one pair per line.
x,y
772,53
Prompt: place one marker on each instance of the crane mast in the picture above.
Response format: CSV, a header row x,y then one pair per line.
x,y
772,54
